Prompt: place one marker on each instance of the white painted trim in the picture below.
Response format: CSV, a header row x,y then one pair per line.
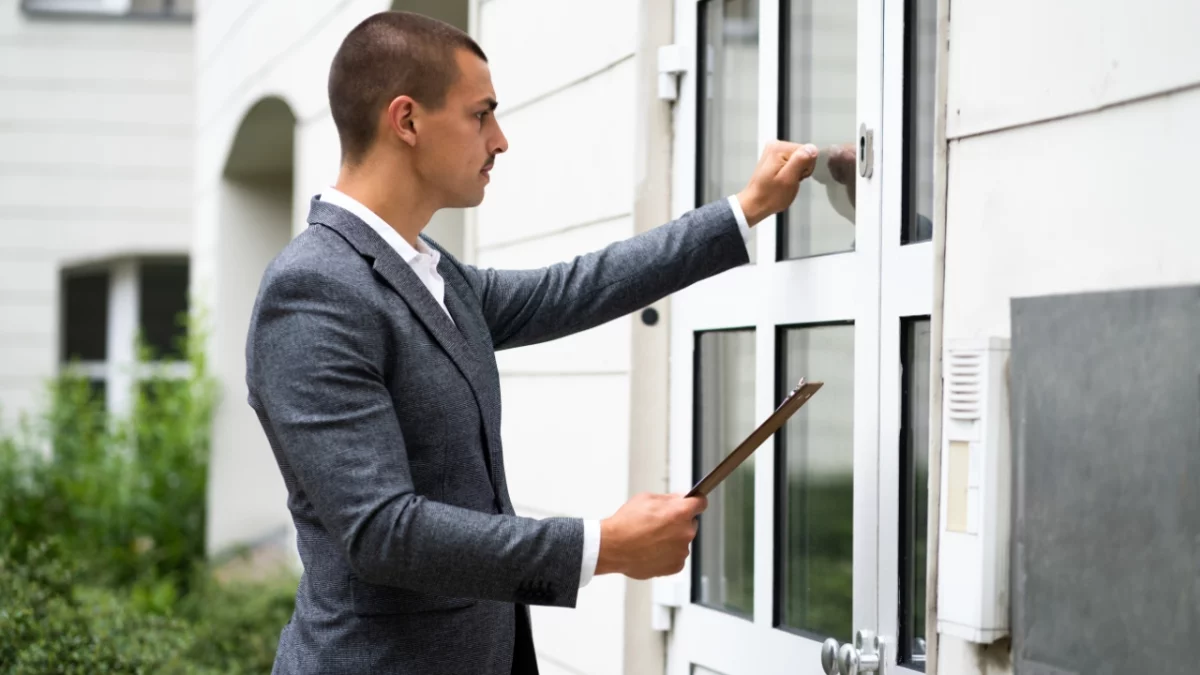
x,y
122,331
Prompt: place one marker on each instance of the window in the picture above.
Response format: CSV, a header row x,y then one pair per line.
x,y
164,9
920,96
815,522
85,316
818,93
727,125
162,306
914,487
104,309
723,572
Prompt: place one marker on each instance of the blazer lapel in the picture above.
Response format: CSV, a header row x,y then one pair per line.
x,y
388,264
479,337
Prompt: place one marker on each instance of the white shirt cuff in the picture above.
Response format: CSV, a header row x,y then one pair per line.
x,y
740,215
591,551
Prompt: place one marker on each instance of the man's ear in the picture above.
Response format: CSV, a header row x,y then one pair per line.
x,y
402,113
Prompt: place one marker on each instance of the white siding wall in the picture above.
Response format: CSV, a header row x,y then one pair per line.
x,y
95,161
1071,166
565,76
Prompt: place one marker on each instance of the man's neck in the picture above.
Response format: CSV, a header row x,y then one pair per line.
x,y
393,198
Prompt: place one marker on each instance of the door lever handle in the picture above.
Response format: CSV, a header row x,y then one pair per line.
x,y
864,656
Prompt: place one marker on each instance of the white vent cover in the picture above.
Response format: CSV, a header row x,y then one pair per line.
x,y
964,384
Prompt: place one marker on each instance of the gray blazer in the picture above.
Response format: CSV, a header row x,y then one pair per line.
x,y
384,418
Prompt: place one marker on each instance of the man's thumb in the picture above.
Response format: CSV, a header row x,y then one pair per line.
x,y
801,164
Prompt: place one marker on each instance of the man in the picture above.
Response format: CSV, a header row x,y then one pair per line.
x,y
371,366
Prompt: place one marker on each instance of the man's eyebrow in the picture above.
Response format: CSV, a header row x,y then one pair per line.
x,y
490,102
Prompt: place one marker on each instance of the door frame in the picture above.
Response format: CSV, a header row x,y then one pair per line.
x,y
886,281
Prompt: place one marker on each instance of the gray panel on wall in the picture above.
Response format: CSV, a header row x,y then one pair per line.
x,y
1106,448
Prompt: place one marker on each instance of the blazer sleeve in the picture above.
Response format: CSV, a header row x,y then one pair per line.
x,y
524,307
315,356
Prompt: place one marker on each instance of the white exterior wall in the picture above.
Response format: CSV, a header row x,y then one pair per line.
x,y
565,75
1071,167
95,163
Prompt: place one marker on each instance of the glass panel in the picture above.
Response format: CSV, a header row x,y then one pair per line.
x,y
723,572
85,316
817,484
727,146
163,306
920,95
819,81
914,488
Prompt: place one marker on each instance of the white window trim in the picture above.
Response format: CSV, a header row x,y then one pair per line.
x,y
121,371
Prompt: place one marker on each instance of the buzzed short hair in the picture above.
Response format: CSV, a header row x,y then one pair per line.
x,y
391,54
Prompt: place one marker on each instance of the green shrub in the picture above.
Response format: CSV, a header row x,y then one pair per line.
x,y
102,522
49,625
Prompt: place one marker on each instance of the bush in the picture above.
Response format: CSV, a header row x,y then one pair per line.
x,y
102,522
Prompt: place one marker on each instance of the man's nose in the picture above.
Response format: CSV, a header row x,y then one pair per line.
x,y
500,144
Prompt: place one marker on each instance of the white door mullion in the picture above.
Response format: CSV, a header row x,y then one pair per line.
x,y
866,352
764,400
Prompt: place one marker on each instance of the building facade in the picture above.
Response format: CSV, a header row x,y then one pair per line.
x,y
982,155
96,136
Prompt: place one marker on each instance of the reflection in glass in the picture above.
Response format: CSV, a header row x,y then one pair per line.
x,y
817,484
819,63
723,573
728,93
914,490
920,94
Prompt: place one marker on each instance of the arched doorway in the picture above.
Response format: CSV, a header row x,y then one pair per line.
x,y
247,505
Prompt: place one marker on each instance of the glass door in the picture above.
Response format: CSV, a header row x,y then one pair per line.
x,y
800,549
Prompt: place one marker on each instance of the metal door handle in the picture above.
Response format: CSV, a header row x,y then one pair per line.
x,y
866,151
864,656
829,657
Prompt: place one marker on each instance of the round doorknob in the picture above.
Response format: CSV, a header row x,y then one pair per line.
x,y
829,657
848,660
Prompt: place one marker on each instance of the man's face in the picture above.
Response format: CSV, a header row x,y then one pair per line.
x,y
457,145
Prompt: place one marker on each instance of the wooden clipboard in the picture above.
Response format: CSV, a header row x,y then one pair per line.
x,y
791,403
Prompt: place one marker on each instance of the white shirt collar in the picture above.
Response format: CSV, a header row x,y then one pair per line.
x,y
407,252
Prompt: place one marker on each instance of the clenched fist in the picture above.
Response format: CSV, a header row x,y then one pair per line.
x,y
776,179
650,536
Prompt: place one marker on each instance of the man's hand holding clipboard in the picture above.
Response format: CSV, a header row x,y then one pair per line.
x,y
794,400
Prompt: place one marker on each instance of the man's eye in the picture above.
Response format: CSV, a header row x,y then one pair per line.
x,y
482,115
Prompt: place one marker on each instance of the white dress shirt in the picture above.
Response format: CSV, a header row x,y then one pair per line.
x,y
424,261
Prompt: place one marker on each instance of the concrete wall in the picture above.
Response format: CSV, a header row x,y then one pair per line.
x,y
1071,166
95,162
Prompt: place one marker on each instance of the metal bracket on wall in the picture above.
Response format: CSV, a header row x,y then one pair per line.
x,y
670,67
668,594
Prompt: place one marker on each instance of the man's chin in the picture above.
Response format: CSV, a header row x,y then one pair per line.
x,y
468,201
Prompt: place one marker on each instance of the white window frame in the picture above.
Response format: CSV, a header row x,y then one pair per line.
x,y
120,370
